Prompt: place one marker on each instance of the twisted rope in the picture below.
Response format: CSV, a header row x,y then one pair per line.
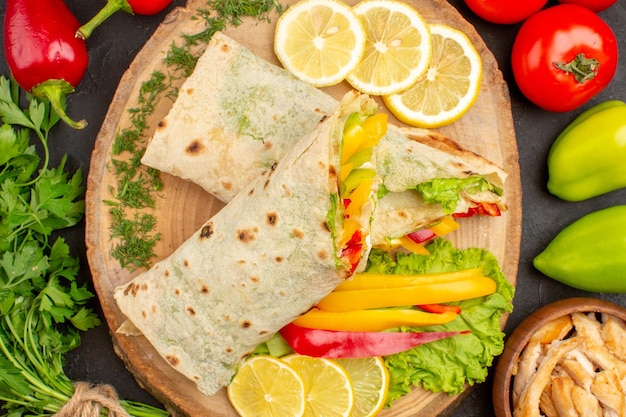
x,y
89,400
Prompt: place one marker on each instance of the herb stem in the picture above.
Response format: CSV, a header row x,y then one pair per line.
x,y
43,138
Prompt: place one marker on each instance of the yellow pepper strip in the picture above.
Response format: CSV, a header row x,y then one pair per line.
x,y
345,170
445,226
349,227
364,135
376,128
358,197
412,246
365,281
370,320
351,142
439,292
406,243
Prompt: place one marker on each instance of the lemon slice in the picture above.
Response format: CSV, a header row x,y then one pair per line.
x,y
450,86
319,41
397,50
327,386
267,386
370,381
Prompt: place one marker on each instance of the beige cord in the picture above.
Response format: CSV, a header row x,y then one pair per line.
x,y
88,400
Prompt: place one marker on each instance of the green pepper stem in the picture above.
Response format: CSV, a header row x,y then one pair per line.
x,y
55,91
581,67
107,11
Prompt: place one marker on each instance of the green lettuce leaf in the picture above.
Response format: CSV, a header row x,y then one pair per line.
x,y
447,191
448,365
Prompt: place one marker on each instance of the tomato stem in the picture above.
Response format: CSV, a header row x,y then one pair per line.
x,y
107,11
583,68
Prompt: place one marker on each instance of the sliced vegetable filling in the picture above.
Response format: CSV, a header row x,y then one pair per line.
x,y
357,179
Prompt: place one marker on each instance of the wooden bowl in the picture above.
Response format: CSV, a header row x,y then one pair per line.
x,y
517,341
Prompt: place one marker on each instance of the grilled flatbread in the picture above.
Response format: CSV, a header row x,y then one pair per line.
x,y
237,115
268,256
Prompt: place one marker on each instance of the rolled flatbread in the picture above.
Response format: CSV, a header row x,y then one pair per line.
x,y
237,114
235,117
407,158
268,256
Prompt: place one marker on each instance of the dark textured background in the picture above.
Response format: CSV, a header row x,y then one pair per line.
x,y
114,45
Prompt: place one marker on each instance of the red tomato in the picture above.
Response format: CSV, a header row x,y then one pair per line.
x,y
148,7
549,45
595,5
505,11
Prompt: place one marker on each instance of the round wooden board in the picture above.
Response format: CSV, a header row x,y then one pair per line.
x,y
486,129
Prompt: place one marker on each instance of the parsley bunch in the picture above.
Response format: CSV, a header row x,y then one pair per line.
x,y
42,306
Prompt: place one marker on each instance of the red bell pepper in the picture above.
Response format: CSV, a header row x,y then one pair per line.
x,y
440,308
141,7
340,344
482,209
353,249
421,235
42,53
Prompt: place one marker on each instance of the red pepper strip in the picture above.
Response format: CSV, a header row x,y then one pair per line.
x,y
421,235
42,53
482,209
353,249
141,7
440,308
338,344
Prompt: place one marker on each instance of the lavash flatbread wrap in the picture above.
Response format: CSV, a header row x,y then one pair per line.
x,y
237,114
268,256
426,176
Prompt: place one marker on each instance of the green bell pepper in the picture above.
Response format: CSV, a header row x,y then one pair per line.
x,y
590,253
589,157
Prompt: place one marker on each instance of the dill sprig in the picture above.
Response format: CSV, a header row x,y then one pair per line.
x,y
135,194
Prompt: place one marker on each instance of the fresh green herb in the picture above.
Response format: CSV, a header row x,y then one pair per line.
x,y
134,196
235,10
42,306
136,184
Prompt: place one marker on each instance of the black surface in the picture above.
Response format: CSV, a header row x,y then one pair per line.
x,y
113,46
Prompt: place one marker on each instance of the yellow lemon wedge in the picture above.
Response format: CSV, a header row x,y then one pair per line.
x,y
267,386
319,41
327,385
397,50
370,381
450,86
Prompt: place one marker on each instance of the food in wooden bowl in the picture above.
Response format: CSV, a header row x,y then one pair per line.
x,y
565,359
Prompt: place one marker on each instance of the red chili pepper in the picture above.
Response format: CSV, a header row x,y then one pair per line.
x,y
42,53
440,308
338,344
140,7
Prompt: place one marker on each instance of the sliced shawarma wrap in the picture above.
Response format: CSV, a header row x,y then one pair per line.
x,y
426,176
237,114
269,255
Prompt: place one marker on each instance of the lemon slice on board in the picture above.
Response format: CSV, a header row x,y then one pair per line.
x,y
450,86
397,50
327,385
319,41
370,381
267,386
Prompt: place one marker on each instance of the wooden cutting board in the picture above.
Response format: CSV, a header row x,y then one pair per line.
x,y
486,129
